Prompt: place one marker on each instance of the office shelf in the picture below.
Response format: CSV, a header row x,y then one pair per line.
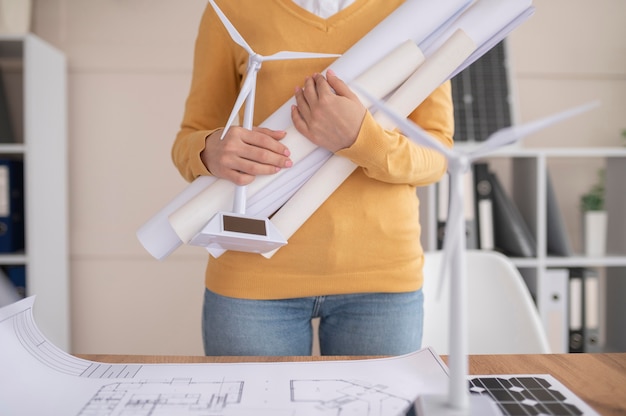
x,y
34,75
528,172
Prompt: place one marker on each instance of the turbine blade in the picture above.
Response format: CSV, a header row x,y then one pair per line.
x,y
246,88
412,130
284,55
512,134
234,34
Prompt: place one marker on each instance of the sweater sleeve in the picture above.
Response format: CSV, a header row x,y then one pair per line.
x,y
214,85
389,156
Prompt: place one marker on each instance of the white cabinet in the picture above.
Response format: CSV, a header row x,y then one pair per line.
x,y
527,171
34,76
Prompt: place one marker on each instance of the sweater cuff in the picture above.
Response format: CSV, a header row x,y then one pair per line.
x,y
197,144
370,145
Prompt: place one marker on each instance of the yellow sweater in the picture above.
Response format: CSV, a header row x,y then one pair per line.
x,y
366,236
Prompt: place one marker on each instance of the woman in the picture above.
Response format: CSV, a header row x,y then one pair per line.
x,y
357,261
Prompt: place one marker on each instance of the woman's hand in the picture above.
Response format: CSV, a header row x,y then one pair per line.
x,y
243,154
327,112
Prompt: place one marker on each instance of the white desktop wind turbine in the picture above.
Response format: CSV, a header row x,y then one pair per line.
x,y
234,230
459,401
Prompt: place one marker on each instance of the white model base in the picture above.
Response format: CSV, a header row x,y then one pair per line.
x,y
230,231
431,405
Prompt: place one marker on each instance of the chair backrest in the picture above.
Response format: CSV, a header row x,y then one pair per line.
x,y
502,316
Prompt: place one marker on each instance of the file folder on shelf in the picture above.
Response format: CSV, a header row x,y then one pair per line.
x,y
483,200
511,233
9,293
584,310
17,276
552,305
469,209
6,128
576,310
591,292
558,243
443,197
549,290
11,205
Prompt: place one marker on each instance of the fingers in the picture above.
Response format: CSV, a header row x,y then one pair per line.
x,y
310,97
306,98
244,154
327,112
340,87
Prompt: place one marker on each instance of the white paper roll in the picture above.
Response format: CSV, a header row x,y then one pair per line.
x,y
387,74
422,21
382,78
156,235
434,72
407,97
188,220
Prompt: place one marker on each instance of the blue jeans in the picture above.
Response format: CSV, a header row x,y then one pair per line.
x,y
355,324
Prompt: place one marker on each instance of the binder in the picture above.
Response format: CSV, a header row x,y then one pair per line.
x,y
576,310
584,310
8,291
443,200
511,233
11,205
591,304
483,206
6,128
558,243
552,304
469,207
17,276
549,290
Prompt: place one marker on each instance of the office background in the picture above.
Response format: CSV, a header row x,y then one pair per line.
x,y
129,68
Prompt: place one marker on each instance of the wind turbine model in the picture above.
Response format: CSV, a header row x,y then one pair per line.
x,y
459,401
235,230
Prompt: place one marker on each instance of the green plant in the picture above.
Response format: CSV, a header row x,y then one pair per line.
x,y
594,199
624,136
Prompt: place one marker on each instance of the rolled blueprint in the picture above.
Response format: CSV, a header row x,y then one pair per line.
x,y
427,24
415,20
156,235
482,26
409,95
487,22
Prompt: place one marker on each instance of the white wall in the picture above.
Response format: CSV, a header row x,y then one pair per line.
x,y
129,72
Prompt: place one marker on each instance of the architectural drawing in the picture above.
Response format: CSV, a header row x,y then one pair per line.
x,y
37,378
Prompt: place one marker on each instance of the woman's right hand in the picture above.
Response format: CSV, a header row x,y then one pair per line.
x,y
243,154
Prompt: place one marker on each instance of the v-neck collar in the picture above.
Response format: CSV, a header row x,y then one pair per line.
x,y
317,21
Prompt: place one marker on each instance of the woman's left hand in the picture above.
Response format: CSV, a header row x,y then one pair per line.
x,y
327,112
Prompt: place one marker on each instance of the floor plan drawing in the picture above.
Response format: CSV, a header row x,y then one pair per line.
x,y
168,397
339,397
39,378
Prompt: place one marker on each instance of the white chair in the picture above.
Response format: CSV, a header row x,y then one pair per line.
x,y
502,317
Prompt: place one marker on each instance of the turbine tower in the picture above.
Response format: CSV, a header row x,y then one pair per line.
x,y
459,401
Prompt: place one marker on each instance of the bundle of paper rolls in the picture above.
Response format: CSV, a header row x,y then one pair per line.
x,y
407,56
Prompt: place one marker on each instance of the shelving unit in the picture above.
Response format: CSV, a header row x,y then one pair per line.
x,y
35,80
528,169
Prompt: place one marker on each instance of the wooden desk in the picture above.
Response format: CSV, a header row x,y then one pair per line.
x,y
598,379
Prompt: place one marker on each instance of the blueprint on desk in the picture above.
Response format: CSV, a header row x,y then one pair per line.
x,y
37,378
